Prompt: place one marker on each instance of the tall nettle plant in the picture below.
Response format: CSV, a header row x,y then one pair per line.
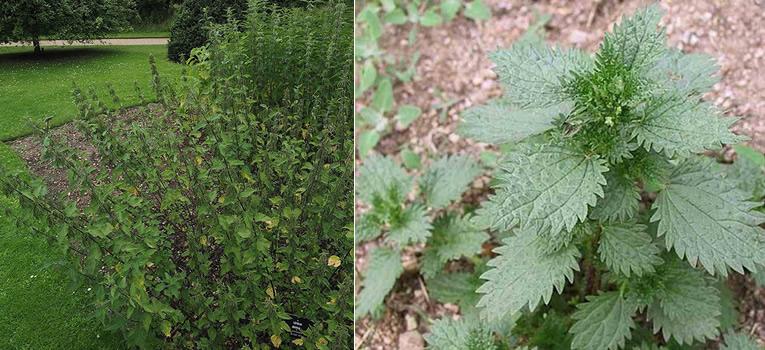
x,y
592,134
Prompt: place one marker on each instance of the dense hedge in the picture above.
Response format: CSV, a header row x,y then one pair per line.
x,y
210,222
190,26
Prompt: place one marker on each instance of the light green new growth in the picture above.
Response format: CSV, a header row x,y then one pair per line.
x,y
381,275
604,322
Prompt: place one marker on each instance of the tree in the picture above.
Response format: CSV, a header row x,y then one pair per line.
x,y
72,20
189,29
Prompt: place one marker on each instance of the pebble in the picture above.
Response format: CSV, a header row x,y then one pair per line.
x,y
411,340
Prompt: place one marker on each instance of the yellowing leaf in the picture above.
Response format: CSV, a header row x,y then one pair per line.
x,y
199,160
276,340
203,240
270,292
333,261
296,280
134,191
298,342
222,199
321,342
332,301
165,327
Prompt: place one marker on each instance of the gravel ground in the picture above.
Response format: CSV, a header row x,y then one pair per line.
x,y
732,31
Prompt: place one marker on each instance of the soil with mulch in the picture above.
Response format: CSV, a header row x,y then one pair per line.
x,y
454,68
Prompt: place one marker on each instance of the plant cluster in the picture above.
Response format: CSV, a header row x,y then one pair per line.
x,y
405,217
603,188
216,219
379,70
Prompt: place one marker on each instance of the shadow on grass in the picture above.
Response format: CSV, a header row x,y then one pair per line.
x,y
55,54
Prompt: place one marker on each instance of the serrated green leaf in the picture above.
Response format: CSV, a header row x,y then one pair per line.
x,y
447,178
368,227
477,10
604,322
378,176
447,334
522,275
739,341
449,9
453,237
621,200
627,248
677,125
544,188
367,141
536,76
705,218
636,42
380,277
498,122
687,307
413,226
382,99
693,74
456,288
407,114
431,18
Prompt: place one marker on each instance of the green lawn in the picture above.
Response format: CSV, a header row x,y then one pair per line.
x,y
38,308
32,89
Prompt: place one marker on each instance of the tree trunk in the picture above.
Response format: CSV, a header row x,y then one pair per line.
x,y
36,42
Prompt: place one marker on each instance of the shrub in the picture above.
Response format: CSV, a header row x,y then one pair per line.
x,y
213,221
603,182
190,25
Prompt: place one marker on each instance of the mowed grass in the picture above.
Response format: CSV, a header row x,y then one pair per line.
x,y
38,308
32,88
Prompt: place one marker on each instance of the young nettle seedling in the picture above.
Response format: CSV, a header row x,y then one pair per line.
x,y
592,133
385,187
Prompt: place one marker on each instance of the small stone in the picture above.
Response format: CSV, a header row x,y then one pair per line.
x,y
577,37
411,322
454,138
411,340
